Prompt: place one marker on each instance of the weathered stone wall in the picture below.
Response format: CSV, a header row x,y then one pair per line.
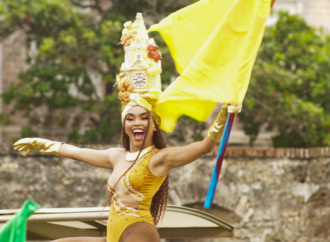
x,y
266,199
269,199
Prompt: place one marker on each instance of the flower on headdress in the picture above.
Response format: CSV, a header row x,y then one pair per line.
x,y
130,88
152,68
125,89
126,95
129,25
129,31
154,53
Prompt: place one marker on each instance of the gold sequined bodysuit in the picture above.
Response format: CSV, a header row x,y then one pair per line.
x,y
140,184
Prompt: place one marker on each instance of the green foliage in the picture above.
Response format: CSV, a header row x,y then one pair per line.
x,y
290,85
28,132
68,42
4,119
71,40
187,129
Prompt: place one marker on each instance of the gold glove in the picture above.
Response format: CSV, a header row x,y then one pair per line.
x,y
216,130
43,145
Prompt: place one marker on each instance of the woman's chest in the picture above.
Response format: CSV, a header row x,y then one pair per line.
x,y
135,179
119,171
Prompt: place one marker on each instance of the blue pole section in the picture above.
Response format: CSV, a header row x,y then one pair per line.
x,y
220,156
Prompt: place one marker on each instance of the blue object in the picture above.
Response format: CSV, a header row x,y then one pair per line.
x,y
219,160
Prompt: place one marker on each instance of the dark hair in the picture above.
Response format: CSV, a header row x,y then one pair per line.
x,y
159,201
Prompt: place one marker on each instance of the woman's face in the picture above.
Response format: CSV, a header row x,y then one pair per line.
x,y
136,124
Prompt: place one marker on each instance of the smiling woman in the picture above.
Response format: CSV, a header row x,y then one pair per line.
x,y
137,126
138,185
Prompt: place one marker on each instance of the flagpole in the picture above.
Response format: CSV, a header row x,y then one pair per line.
x,y
219,160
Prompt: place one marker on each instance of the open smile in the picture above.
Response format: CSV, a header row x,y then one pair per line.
x,y
138,134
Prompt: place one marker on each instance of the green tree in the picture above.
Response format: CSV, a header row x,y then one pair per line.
x,y
290,85
70,41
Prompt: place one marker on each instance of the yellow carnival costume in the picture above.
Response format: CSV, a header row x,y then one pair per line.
x,y
214,45
139,84
142,185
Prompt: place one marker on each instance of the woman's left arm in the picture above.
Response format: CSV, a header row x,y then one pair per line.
x,y
169,158
166,159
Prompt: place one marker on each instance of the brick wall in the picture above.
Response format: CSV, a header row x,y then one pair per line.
x,y
292,153
257,152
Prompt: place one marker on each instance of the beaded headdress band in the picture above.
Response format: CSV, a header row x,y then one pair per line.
x,y
139,80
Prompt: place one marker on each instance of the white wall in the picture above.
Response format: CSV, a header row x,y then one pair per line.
x,y
315,12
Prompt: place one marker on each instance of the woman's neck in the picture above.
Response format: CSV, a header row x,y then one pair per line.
x,y
132,156
138,148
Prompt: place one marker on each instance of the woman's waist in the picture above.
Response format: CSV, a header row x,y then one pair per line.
x,y
120,211
130,204
130,207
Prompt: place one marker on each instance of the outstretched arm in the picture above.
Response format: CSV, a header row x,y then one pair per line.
x,y
166,159
99,158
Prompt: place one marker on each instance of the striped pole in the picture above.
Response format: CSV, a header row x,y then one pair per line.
x,y
219,160
272,3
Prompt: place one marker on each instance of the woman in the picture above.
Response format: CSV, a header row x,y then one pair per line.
x,y
138,184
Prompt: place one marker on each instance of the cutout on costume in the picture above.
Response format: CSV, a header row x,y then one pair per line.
x,y
117,204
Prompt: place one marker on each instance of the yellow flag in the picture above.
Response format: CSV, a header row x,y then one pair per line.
x,y
214,44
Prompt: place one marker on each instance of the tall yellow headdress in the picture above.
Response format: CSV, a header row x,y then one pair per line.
x,y
139,80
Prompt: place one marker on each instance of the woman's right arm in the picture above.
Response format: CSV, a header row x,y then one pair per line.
x,y
100,158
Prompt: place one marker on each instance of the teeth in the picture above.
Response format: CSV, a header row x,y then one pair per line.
x,y
138,131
